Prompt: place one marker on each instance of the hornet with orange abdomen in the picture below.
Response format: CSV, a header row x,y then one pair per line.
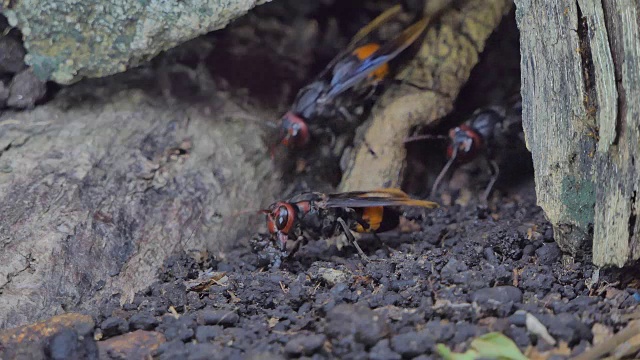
x,y
325,215
332,103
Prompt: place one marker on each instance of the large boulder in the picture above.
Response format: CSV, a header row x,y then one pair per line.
x,y
99,186
72,39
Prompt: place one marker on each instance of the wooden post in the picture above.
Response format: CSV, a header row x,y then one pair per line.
x,y
581,116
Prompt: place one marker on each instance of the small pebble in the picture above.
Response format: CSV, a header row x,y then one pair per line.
x,y
218,317
206,333
143,321
114,326
412,344
304,344
25,90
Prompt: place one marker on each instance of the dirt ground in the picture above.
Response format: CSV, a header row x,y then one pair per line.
x,y
468,272
465,269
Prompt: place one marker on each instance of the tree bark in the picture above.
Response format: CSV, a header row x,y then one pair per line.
x,y
99,186
581,116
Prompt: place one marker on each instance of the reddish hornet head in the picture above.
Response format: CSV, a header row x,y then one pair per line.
x,y
294,131
466,141
280,220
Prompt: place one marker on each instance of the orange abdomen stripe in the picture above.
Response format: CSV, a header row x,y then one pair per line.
x,y
372,216
367,50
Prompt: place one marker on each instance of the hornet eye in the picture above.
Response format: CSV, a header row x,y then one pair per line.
x,y
282,218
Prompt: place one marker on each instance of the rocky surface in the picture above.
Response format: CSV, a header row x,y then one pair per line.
x,y
20,88
98,186
69,40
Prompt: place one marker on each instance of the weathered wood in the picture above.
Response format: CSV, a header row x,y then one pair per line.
x,y
555,120
580,124
99,186
431,83
616,229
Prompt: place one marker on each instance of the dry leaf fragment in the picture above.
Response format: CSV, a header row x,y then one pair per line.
x,y
206,279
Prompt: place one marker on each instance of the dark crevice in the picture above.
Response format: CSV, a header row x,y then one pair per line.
x,y
633,217
5,149
494,81
616,54
588,71
13,274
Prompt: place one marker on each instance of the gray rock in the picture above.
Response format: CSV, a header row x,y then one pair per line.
x,y
567,327
218,317
11,55
4,94
452,268
363,324
382,351
413,343
68,344
25,89
202,351
304,344
497,294
548,254
205,333
143,321
114,326
498,300
262,354
176,295
68,40
96,191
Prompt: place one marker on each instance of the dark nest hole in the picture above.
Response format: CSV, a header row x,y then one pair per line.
x,y
280,46
263,58
287,42
277,49
495,81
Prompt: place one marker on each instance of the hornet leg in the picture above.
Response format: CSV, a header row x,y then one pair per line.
x,y
365,225
352,239
346,114
494,170
443,172
296,247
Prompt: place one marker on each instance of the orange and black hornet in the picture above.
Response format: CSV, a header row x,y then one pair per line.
x,y
325,215
350,80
